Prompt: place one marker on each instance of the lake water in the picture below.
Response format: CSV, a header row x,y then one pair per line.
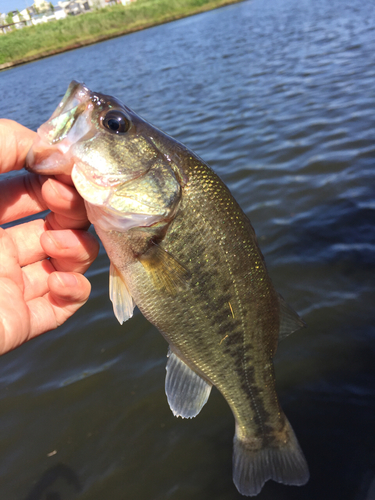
x,y
279,98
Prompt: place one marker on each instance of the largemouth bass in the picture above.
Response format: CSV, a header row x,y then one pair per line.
x,y
183,251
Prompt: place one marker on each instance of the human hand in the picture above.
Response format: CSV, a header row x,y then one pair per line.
x,y
42,261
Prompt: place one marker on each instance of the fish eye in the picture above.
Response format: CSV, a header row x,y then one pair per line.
x,y
116,122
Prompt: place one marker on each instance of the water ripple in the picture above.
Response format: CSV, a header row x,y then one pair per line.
x,y
278,97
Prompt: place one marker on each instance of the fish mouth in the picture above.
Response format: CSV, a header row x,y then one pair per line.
x,y
74,103
59,127
54,152
69,123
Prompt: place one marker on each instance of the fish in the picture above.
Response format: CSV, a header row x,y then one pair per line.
x,y
182,250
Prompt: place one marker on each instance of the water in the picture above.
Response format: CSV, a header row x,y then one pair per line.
x,y
279,98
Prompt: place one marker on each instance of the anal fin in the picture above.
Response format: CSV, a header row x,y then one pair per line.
x,y
186,391
123,303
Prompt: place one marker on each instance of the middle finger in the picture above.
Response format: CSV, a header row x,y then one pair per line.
x,y
67,206
70,250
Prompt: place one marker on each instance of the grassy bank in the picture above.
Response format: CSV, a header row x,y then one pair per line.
x,y
39,41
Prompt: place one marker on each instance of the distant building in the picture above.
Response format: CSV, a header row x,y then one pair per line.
x,y
30,16
60,13
17,19
41,12
25,15
32,11
75,7
15,16
3,22
41,5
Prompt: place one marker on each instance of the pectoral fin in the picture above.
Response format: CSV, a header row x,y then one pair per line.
x,y
289,320
165,271
186,391
123,304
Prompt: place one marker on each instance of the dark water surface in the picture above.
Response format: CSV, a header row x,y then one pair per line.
x,y
279,98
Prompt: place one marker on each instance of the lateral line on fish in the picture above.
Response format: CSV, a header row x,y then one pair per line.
x,y
244,366
244,363
244,360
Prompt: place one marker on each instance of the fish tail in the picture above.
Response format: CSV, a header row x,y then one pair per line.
x,y
283,461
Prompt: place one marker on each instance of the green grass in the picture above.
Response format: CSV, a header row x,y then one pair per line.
x,y
43,39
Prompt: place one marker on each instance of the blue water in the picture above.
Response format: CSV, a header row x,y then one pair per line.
x,y
279,98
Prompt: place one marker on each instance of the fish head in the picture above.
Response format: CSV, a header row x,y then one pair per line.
x,y
112,157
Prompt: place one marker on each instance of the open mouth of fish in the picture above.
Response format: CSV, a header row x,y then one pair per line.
x,y
68,116
52,153
69,122
59,149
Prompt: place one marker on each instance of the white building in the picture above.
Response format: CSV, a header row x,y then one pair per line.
x,y
16,18
41,5
60,13
21,19
25,15
75,7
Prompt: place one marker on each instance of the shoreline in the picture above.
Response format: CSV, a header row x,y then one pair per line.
x,y
101,38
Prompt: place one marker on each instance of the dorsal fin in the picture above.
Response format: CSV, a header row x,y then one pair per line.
x,y
123,303
186,391
289,320
165,271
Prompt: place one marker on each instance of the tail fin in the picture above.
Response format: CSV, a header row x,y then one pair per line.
x,y
282,462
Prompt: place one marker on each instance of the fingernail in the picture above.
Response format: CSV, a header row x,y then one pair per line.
x,y
62,190
64,239
67,279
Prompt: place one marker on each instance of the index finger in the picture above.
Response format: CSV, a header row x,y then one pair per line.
x,y
20,197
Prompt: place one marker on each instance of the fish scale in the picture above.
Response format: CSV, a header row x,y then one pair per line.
x,y
183,251
222,322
